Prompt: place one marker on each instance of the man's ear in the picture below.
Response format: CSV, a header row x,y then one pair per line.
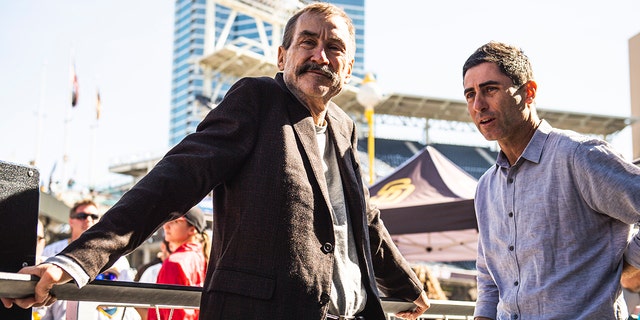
x,y
347,79
532,88
281,56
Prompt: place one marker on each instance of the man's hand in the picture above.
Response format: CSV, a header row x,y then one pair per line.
x,y
422,304
49,275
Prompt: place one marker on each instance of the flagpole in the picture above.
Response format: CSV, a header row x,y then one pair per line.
x,y
94,135
40,115
94,129
67,120
65,153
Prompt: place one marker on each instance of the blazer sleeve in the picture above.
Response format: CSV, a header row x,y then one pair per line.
x,y
394,275
189,171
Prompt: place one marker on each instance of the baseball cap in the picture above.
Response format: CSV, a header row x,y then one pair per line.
x,y
195,217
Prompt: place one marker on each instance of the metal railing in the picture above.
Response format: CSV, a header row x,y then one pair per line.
x,y
145,295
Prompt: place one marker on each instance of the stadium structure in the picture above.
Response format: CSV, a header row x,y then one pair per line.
x,y
226,57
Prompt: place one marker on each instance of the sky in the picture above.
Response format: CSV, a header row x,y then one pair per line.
x,y
579,52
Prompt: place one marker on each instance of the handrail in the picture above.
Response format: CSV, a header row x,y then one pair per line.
x,y
15,285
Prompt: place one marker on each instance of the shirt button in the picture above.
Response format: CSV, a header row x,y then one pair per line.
x,y
324,298
510,214
515,316
327,247
515,283
510,180
511,248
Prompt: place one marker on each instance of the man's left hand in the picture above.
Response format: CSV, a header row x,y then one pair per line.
x,y
422,304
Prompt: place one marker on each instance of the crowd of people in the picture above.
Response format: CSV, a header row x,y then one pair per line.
x,y
295,236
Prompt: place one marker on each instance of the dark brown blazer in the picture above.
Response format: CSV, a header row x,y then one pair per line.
x,y
272,238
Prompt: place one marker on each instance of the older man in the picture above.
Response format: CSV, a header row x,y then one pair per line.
x,y
294,235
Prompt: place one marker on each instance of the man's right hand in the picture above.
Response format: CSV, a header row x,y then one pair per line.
x,y
49,275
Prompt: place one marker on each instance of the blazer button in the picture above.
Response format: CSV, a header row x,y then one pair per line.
x,y
327,247
324,299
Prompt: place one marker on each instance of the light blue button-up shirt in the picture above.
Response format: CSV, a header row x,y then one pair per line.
x,y
554,228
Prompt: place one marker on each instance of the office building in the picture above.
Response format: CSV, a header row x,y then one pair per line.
x,y
203,27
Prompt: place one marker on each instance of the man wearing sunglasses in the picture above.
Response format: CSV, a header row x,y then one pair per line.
x,y
82,216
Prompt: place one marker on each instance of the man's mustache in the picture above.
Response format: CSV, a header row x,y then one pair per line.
x,y
315,67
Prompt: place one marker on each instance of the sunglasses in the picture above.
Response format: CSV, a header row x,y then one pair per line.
x,y
84,216
107,276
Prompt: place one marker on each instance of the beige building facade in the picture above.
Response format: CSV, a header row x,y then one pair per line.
x,y
634,83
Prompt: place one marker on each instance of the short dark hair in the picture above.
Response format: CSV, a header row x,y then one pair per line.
x,y
510,59
320,8
86,202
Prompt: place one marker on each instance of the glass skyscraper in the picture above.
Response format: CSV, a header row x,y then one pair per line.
x,y
188,81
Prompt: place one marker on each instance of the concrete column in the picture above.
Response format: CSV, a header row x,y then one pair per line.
x,y
634,83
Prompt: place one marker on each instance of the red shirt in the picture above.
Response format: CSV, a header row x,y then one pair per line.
x,y
185,266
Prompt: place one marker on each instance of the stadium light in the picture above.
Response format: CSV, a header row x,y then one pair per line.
x,y
369,96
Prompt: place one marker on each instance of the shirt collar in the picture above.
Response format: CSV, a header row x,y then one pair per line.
x,y
533,151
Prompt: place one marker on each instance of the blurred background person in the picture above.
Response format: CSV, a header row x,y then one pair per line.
x,y
148,273
186,265
112,312
82,216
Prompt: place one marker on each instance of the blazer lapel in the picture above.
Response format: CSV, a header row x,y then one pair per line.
x,y
353,192
306,131
341,135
